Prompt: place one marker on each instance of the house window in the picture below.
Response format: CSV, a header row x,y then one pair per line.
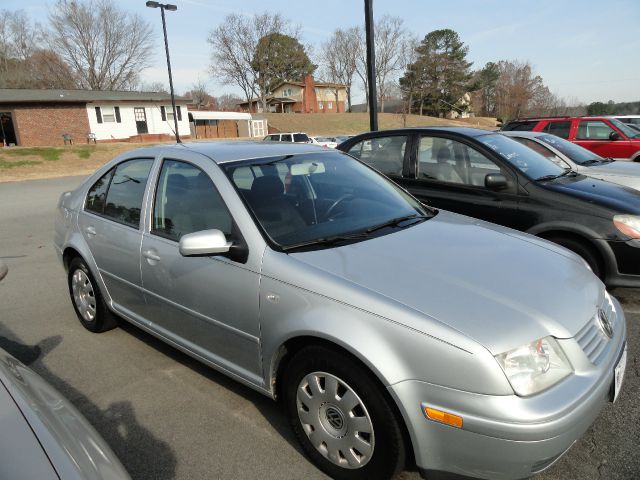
x,y
108,115
330,105
320,106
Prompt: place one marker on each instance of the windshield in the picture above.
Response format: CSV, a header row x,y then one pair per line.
x,y
575,152
308,197
528,161
624,128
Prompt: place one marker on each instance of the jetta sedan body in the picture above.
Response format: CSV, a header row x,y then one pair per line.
x,y
383,326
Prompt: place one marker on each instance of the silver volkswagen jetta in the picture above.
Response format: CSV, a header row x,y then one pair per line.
x,y
385,326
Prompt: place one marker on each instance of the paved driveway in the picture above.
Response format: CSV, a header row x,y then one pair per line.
x,y
167,416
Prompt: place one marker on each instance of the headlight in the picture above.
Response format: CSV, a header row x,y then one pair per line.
x,y
628,224
535,366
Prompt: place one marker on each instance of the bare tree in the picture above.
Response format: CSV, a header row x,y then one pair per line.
x,y
233,44
228,102
340,57
389,44
199,94
106,47
152,87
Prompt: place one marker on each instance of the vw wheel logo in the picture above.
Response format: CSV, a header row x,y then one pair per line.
x,y
605,323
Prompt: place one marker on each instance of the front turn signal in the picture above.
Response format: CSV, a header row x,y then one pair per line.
x,y
443,417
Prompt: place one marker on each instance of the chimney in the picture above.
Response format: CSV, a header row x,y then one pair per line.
x,y
309,100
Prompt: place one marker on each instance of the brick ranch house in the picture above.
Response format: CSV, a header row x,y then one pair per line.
x,y
44,117
307,96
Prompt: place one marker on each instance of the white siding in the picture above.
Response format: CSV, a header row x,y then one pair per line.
x,y
127,126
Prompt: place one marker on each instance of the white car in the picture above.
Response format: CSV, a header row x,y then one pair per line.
x,y
330,142
294,137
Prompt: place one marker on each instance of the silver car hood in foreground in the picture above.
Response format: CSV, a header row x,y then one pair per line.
x,y
623,173
74,448
500,287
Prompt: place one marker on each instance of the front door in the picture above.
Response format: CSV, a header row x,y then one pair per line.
x,y
451,175
141,120
208,305
595,135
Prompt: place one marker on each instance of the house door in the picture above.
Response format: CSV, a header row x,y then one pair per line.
x,y
141,120
7,132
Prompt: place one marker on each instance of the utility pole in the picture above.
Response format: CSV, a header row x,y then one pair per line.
x,y
371,65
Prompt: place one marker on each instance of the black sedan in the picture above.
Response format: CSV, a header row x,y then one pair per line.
x,y
489,176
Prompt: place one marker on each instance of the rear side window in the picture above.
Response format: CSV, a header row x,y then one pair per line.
x,y
385,154
96,198
285,138
300,137
125,192
559,129
520,126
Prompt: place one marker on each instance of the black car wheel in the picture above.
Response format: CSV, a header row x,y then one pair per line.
x,y
341,416
87,300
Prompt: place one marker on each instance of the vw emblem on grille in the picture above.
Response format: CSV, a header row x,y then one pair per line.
x,y
605,323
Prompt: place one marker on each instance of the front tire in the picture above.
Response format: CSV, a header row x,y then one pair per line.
x,y
341,416
87,300
584,250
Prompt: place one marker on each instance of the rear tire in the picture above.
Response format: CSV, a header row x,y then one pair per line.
x,y
87,299
341,416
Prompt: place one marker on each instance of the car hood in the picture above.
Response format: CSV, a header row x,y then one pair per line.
x,y
74,448
599,192
624,173
499,287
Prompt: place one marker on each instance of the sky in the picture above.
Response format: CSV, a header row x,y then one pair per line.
x,y
583,49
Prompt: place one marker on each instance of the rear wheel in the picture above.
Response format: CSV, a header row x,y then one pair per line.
x,y
87,300
342,418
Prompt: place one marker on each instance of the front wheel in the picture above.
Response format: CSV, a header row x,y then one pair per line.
x,y
341,417
87,300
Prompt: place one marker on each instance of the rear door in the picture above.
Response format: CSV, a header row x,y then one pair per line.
x,y
111,225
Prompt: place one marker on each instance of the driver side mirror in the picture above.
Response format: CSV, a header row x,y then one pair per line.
x,y
205,242
495,181
614,136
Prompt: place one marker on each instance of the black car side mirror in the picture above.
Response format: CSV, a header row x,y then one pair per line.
x,y
495,181
614,136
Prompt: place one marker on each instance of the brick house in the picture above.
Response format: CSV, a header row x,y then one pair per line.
x,y
43,117
307,96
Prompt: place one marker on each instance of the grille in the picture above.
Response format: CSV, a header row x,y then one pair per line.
x,y
592,339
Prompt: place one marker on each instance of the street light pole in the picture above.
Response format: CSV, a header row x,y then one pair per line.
x,y
371,65
171,8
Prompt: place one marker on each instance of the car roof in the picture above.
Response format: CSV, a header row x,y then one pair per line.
x,y
222,152
523,133
467,131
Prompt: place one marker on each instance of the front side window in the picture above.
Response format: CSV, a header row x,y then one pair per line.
x,y
450,161
560,129
529,162
593,130
186,201
122,190
311,197
385,154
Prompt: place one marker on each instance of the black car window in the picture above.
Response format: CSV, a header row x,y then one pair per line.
x,y
593,130
124,196
450,161
98,193
186,201
520,126
559,129
285,138
385,154
300,137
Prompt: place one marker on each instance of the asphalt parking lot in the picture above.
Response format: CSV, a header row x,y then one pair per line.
x,y
165,415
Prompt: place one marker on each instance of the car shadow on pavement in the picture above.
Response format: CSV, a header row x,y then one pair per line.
x,y
139,451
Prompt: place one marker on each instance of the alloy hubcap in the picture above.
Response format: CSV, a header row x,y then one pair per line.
x,y
83,295
335,420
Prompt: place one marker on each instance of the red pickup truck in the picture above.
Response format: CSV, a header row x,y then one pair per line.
x,y
605,136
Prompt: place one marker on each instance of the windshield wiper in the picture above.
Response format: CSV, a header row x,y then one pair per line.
x,y
395,222
334,239
567,171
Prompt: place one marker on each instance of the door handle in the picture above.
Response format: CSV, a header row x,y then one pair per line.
x,y
151,255
91,231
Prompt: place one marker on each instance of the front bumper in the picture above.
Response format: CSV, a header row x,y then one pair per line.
x,y
508,437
